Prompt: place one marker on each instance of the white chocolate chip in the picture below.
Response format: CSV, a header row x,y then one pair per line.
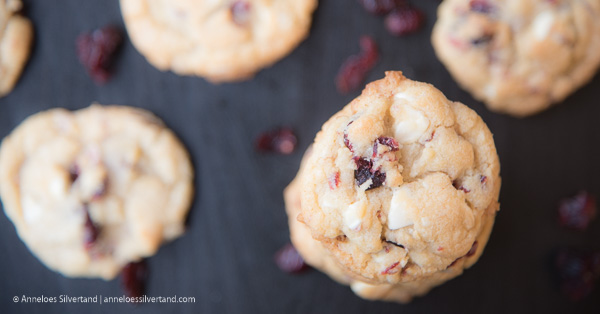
x,y
401,209
411,123
542,24
354,214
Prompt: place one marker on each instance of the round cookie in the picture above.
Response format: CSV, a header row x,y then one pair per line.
x,y
16,34
519,56
399,192
221,40
92,190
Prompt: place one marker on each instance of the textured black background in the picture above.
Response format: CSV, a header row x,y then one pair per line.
x,y
237,220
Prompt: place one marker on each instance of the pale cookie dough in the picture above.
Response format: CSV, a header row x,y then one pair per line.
x,y
92,190
220,40
16,34
519,56
399,192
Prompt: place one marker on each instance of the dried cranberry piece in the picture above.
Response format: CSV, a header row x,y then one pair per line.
x,y
96,51
280,140
386,141
382,7
473,249
365,172
346,140
289,260
481,6
74,173
404,21
577,212
391,269
90,231
240,12
133,278
577,272
354,70
483,40
334,181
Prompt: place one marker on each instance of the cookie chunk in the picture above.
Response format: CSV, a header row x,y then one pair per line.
x,y
399,192
519,56
15,43
222,40
92,190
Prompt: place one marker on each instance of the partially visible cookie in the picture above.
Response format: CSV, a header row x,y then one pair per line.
x,y
399,193
16,34
519,56
221,40
92,190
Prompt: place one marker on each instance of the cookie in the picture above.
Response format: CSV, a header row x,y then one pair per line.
x,y
399,192
519,56
92,190
223,40
15,43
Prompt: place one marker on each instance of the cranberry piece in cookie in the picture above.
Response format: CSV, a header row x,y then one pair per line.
x,y
365,172
240,12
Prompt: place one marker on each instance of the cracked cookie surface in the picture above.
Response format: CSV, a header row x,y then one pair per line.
x,y
519,56
221,40
92,190
401,186
16,34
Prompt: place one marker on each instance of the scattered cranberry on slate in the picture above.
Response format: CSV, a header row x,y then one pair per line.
x,y
352,74
577,271
133,278
96,51
365,172
240,12
577,212
289,260
381,7
90,232
280,140
404,21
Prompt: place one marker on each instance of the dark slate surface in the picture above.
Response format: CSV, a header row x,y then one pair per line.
x,y
237,220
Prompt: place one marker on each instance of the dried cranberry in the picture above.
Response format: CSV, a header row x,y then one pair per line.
x,y
346,140
577,271
240,12
334,181
354,70
280,140
483,40
483,179
577,212
473,249
74,173
404,21
365,172
481,6
90,230
289,260
391,269
101,191
96,51
133,278
386,141
382,7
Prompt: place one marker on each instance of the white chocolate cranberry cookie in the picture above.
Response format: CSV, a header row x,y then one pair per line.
x,y
220,40
399,192
519,56
16,34
92,190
